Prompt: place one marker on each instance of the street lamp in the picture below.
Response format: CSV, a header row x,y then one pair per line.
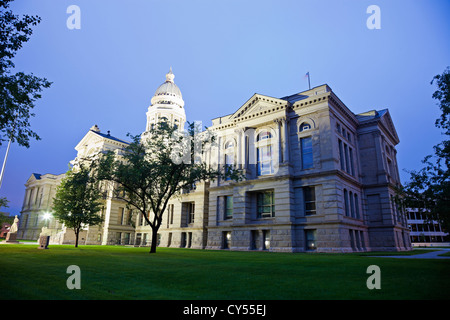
x,y
47,216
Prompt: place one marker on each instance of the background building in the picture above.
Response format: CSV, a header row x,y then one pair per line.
x,y
424,233
37,205
318,178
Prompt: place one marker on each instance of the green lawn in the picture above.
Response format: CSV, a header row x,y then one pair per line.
x,y
132,273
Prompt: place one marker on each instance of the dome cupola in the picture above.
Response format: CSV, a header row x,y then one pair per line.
x,y
167,104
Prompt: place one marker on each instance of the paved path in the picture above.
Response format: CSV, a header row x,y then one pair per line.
x,y
425,255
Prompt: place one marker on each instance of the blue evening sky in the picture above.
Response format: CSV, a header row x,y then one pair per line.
x,y
222,52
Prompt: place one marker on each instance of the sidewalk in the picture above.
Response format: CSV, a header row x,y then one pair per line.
x,y
426,255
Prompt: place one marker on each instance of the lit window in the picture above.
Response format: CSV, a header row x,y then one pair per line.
x,y
266,236
226,239
310,236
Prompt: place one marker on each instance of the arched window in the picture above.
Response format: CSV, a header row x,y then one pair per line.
x,y
264,135
229,145
305,126
264,153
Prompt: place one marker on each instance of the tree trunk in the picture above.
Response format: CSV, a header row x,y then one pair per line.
x,y
77,232
154,241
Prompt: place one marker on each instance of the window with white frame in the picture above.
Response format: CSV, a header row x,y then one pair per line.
x,y
264,153
265,204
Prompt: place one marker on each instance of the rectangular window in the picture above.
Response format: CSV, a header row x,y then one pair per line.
x,y
390,168
183,240
307,152
346,208
357,207
121,216
226,235
309,195
347,166
341,155
363,244
169,214
264,159
352,209
352,170
265,204
126,238
310,236
352,239
189,239
228,207
191,211
266,237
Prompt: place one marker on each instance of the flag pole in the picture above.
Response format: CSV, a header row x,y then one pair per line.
x,y
2,173
309,81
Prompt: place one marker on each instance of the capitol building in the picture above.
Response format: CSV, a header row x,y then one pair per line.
x,y
317,178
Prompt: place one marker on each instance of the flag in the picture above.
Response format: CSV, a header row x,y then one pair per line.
x,y
307,75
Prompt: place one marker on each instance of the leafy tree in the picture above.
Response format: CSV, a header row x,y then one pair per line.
x,y
18,91
428,189
157,166
3,218
4,202
78,200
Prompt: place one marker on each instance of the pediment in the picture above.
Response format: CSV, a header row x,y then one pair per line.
x,y
90,139
389,125
256,104
33,177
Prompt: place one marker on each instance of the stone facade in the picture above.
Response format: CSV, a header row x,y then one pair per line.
x,y
317,178
37,204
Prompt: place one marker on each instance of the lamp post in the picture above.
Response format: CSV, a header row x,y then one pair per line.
x,y
47,216
7,150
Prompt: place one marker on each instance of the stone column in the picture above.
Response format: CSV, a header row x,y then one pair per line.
x,y
285,140
239,150
280,140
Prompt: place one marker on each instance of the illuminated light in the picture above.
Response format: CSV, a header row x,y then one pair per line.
x,y
47,215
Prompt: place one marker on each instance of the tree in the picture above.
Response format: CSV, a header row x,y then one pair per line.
x,y
155,167
18,91
78,200
4,218
4,202
428,189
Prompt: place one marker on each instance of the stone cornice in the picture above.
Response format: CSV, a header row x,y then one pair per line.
x,y
337,103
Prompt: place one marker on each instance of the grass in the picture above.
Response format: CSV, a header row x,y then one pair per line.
x,y
109,272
